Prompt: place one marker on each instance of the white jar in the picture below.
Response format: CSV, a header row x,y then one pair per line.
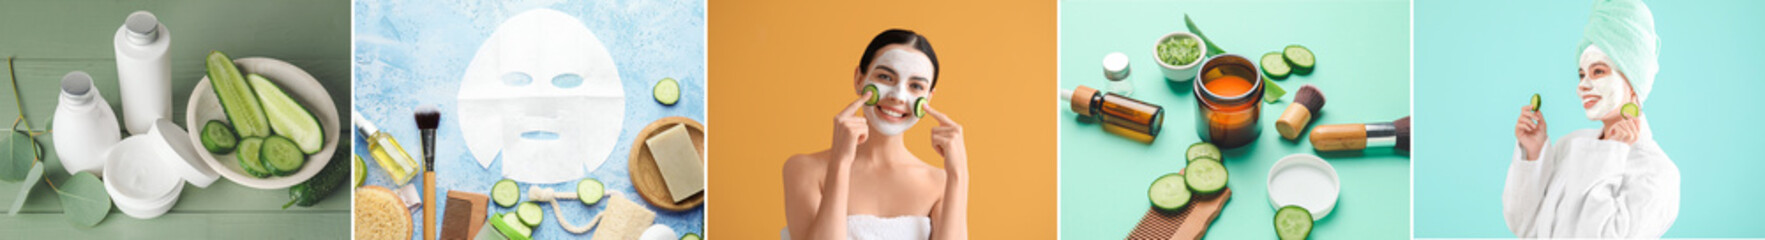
x,y
85,127
143,70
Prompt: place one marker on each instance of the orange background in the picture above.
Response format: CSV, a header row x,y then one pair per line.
x,y
780,70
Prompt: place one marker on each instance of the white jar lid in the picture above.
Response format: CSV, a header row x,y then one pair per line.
x,y
1115,66
1304,180
176,148
136,174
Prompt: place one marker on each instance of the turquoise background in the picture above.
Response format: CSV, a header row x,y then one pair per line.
x,y
1477,62
1363,56
416,54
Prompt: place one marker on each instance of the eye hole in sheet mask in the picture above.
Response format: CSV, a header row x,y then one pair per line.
x,y
567,80
517,79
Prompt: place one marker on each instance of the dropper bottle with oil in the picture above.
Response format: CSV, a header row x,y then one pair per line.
x,y
398,164
1120,115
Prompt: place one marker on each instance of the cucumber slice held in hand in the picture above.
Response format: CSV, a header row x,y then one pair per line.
x,y
1535,102
530,214
590,191
1274,66
919,107
1630,110
1169,193
1203,149
218,137
1300,57
874,95
282,156
1205,176
505,193
1293,223
287,117
667,91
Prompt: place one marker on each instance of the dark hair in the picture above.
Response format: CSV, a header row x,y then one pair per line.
x,y
901,36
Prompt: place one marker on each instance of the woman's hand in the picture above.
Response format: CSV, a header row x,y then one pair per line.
x,y
947,141
1623,131
849,129
1530,132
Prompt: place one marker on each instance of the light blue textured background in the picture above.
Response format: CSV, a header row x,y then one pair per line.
x,y
409,53
1477,62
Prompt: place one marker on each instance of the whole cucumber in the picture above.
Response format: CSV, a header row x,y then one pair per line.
x,y
310,192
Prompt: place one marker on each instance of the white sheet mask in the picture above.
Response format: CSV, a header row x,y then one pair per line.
x,y
544,92
1610,88
905,64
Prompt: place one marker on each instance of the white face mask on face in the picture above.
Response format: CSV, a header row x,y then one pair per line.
x,y
906,65
1609,88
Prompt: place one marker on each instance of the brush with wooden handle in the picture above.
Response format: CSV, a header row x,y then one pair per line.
x,y
427,118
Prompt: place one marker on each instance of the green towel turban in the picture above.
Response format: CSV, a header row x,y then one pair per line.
x,y
1625,30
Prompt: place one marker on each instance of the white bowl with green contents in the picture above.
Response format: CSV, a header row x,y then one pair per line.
x,y
299,86
1179,55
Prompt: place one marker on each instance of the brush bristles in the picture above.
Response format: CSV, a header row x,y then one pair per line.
x,y
1310,97
428,117
1403,133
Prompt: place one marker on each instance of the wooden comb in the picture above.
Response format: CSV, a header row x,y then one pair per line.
x,y
1189,223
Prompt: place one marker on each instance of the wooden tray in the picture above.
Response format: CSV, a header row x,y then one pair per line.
x,y
1189,223
647,178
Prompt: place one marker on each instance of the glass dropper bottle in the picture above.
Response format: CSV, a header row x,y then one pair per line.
x,y
1120,115
398,164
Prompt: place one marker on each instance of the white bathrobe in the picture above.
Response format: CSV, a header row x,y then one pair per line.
x,y
1583,187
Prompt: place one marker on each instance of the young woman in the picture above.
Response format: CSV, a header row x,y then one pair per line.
x,y
867,185
1612,182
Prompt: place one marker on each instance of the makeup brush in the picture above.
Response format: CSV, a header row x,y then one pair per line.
x,y
1299,114
1357,136
427,118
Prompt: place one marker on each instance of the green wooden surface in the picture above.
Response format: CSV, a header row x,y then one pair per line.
x,y
51,38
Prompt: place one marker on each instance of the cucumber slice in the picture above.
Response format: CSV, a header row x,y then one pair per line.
x,y
281,155
287,117
361,172
219,138
1300,57
1535,102
1169,192
530,214
919,107
667,91
1630,110
237,100
1205,176
250,157
1274,66
505,192
1292,222
590,191
874,95
515,230
690,236
1203,149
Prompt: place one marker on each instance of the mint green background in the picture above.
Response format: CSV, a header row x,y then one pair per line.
x,y
1474,70
1363,56
50,38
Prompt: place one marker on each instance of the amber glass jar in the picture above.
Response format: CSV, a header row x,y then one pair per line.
x,y
1228,92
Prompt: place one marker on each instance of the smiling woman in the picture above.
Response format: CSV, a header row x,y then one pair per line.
x,y
868,183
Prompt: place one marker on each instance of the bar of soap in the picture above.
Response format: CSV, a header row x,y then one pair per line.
x,y
464,215
679,161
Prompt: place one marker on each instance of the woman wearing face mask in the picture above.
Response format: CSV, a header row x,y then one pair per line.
x,y
1612,182
867,185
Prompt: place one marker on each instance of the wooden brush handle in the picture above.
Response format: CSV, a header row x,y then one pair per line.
x,y
429,205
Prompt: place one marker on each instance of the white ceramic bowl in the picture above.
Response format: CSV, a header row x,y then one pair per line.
x,y
1183,73
299,85
1304,180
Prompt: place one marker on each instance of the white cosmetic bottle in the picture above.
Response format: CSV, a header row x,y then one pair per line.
x,y
85,127
144,71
